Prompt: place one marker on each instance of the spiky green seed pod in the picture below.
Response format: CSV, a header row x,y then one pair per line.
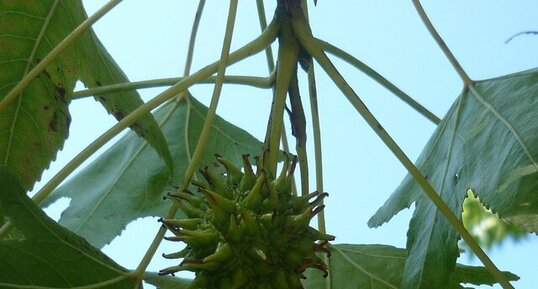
x,y
247,230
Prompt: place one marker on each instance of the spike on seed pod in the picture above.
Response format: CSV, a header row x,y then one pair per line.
x,y
190,198
179,254
249,178
254,197
285,167
234,174
200,184
317,235
319,199
193,265
189,210
249,224
171,270
198,237
216,183
270,221
234,234
190,224
173,239
321,248
223,253
246,165
222,207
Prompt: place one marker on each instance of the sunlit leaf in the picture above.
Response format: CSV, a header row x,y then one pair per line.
x,y
128,181
50,255
380,267
486,227
34,126
487,142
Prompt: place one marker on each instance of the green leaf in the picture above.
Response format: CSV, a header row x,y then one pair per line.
x,y
34,126
50,255
100,70
128,181
167,282
487,142
380,267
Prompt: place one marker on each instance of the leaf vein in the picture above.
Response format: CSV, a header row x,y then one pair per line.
x,y
508,125
360,268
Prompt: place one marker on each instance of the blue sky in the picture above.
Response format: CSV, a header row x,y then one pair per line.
x,y
149,40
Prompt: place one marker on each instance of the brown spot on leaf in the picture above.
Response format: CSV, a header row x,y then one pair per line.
x,y
46,73
118,114
53,123
60,91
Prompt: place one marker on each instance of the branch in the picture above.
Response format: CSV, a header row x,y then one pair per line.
x,y
463,75
519,34
260,82
379,79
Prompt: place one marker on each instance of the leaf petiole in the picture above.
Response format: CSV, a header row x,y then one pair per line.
x,y
461,72
327,47
260,82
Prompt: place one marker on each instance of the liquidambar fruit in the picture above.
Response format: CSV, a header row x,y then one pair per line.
x,y
246,230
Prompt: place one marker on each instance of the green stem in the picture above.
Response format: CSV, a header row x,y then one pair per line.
x,y
302,31
185,96
204,134
463,75
258,44
192,39
21,85
288,51
316,127
187,125
271,67
298,123
263,24
260,82
379,79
